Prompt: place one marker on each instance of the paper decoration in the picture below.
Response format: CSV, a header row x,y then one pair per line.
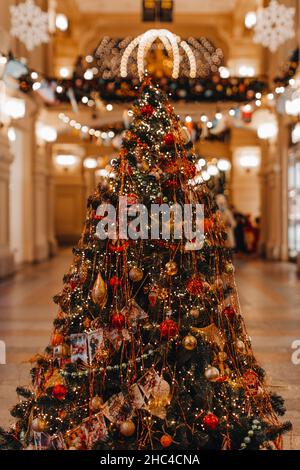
x,y
95,343
274,25
133,312
29,24
78,347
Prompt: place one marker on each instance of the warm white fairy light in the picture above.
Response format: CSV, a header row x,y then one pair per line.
x,y
170,41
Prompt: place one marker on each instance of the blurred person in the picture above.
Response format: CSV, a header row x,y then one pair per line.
x,y
227,218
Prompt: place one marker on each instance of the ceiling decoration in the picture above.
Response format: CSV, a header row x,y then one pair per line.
x,y
159,60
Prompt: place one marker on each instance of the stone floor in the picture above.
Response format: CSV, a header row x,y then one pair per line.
x,y
270,298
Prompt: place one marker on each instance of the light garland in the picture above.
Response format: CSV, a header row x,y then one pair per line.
x,y
170,42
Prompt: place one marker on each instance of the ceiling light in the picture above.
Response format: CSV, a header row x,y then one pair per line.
x,y
61,22
90,163
250,19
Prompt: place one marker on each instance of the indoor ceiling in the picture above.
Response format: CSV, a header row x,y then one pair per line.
x,y
134,6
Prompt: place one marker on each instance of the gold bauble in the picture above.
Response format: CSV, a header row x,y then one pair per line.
x,y
136,274
38,425
229,268
211,373
96,403
189,342
171,268
99,292
222,356
240,345
194,312
127,428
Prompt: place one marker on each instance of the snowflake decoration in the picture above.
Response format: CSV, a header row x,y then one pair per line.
x,y
274,25
29,24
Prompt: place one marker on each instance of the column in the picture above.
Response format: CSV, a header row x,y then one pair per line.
x,y
7,265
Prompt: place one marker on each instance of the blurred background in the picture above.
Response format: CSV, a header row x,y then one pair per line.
x,y
64,108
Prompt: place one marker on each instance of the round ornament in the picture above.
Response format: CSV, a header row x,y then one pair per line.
x,y
118,320
229,312
195,286
168,329
211,373
171,268
59,392
229,268
96,403
240,346
194,312
115,281
136,274
166,440
185,135
147,110
169,139
38,425
189,342
127,428
210,421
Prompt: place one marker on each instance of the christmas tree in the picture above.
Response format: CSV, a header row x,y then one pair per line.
x,y
149,348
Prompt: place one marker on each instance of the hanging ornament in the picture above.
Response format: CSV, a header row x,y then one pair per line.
x,y
189,342
274,25
229,268
169,139
195,286
59,392
210,421
38,425
147,110
166,440
118,321
171,268
229,312
115,281
136,274
240,345
211,373
99,292
127,428
185,135
29,24
194,312
168,329
96,403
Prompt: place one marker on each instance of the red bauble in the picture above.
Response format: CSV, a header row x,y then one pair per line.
x,y
115,281
147,110
169,139
59,392
195,286
166,440
250,378
229,312
132,199
168,329
118,320
208,225
211,421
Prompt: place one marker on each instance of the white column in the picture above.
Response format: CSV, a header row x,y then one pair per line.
x,y
7,265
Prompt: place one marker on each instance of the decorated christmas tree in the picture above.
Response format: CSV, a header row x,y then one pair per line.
x,y
149,348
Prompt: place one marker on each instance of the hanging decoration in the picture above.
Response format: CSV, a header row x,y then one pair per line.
x,y
274,25
29,24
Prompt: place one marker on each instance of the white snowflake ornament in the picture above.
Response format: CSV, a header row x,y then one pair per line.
x,y
274,25
29,24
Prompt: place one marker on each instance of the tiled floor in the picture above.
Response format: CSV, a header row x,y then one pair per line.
x,y
270,298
